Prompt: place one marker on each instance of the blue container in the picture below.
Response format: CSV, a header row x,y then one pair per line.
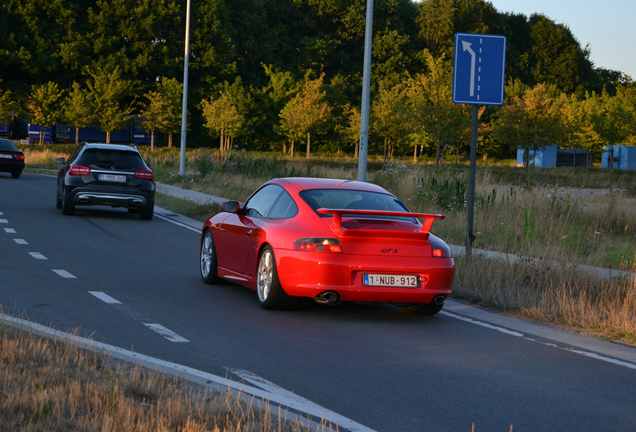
x,y
34,134
624,157
545,158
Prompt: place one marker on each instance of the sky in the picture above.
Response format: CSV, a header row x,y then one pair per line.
x,y
608,26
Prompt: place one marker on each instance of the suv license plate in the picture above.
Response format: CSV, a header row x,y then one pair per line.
x,y
369,279
112,178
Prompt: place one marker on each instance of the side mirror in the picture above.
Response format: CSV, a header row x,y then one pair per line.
x,y
59,161
230,206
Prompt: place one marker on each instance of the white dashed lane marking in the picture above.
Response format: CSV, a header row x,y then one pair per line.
x,y
37,255
64,274
168,334
20,241
4,221
104,297
10,230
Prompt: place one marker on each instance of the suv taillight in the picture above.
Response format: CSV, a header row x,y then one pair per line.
x,y
144,174
316,244
79,170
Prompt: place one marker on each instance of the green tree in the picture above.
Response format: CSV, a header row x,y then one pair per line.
x,y
152,115
307,112
45,105
269,101
226,115
614,120
430,107
78,111
8,105
162,113
436,27
529,121
388,115
109,95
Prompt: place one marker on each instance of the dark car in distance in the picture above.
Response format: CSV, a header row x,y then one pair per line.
x,y
11,159
114,175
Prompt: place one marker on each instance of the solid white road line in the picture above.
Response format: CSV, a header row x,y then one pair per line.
x,y
37,255
168,334
483,324
300,403
521,335
10,230
221,384
104,297
65,274
179,223
20,241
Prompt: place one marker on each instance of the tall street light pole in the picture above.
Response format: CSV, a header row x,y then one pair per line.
x,y
366,85
184,104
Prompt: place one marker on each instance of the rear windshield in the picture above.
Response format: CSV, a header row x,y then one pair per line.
x,y
351,199
5,144
119,159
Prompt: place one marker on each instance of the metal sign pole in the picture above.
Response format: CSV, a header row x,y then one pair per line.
x,y
471,184
184,103
366,85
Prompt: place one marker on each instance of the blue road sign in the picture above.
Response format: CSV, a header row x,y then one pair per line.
x,y
479,68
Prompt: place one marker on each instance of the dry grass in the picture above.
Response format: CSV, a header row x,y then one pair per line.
x,y
42,157
56,386
544,291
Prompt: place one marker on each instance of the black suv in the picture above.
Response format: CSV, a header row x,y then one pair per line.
x,y
106,174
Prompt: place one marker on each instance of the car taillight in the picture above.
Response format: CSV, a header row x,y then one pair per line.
x,y
441,250
144,174
79,170
318,244
19,158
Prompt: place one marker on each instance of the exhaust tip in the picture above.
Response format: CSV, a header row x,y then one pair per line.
x,y
439,300
327,297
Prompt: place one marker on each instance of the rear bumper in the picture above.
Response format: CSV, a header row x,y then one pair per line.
x,y
114,200
127,199
308,274
10,166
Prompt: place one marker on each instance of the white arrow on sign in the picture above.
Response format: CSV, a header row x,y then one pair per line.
x,y
466,46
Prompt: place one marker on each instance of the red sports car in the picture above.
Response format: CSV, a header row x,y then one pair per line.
x,y
330,240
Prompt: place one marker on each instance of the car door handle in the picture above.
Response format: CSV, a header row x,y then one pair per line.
x,y
249,233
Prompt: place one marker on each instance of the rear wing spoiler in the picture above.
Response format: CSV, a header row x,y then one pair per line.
x,y
336,224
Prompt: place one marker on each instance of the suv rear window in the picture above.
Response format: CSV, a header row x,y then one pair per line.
x,y
120,159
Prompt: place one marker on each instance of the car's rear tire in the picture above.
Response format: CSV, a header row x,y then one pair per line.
x,y
422,309
271,294
207,259
68,208
147,212
16,174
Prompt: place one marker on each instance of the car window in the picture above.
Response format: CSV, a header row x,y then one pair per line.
x,y
284,208
120,159
351,199
261,202
75,153
6,144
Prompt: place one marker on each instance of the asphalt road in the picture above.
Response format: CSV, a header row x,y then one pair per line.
x,y
135,284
